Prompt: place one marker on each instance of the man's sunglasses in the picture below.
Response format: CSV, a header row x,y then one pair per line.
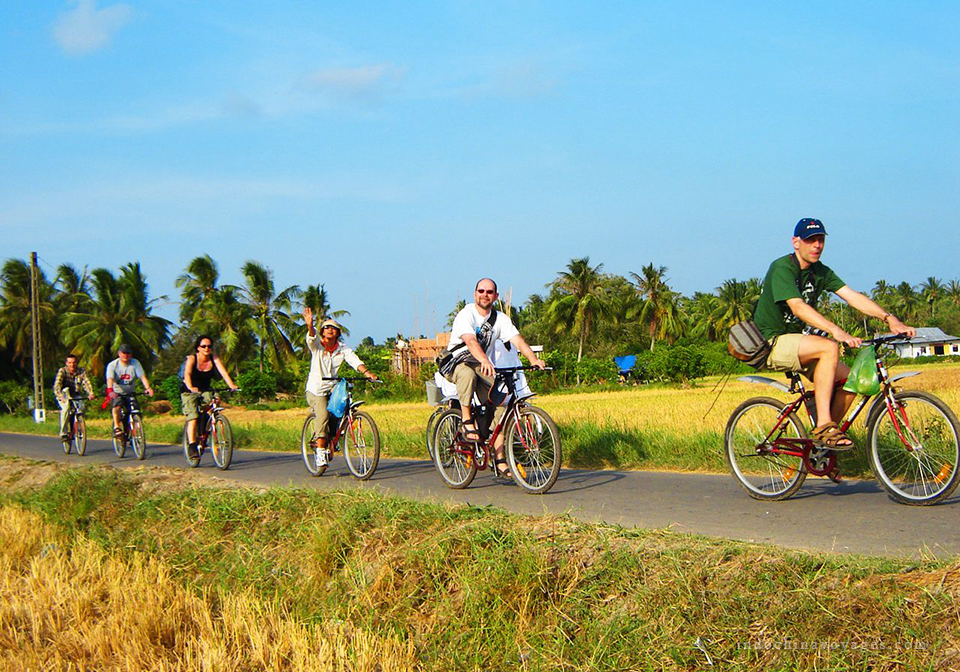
x,y
487,291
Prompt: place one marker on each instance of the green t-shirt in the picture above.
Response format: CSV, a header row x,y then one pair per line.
x,y
786,281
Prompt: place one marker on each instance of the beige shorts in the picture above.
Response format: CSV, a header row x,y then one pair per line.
x,y
785,355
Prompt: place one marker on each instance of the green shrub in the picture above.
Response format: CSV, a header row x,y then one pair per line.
x,y
256,386
169,389
13,396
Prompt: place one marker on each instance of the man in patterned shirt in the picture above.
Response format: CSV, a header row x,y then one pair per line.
x,y
70,378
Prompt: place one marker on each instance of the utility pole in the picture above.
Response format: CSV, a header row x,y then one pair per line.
x,y
39,413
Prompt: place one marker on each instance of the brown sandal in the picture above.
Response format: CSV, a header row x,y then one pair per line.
x,y
830,436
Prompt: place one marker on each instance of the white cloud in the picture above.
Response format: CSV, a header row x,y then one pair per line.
x,y
85,29
352,82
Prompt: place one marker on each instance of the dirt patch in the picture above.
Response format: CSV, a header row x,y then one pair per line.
x,y
19,474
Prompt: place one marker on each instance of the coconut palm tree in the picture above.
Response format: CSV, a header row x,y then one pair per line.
x,y
73,288
932,289
881,291
197,283
579,301
315,298
905,300
735,302
269,313
15,315
119,311
953,293
659,309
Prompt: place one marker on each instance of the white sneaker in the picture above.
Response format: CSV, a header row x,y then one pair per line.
x,y
322,458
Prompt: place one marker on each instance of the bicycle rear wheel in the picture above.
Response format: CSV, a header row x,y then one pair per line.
x,y
749,449
308,448
221,441
533,449
136,437
361,446
67,442
456,469
431,429
80,435
915,451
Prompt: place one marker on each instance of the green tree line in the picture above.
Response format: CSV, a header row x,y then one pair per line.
x,y
583,318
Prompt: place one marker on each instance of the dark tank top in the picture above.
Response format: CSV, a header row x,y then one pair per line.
x,y
202,380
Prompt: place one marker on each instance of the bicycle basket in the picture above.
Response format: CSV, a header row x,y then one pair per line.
x,y
863,378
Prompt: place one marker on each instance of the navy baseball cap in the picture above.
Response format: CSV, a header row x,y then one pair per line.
x,y
807,227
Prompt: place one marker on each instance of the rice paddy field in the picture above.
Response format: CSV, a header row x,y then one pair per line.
x,y
158,569
642,427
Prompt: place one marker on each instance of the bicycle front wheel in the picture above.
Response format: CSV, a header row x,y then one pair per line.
x,y
361,447
120,442
136,437
314,462
80,435
755,461
222,443
67,442
533,449
915,448
456,469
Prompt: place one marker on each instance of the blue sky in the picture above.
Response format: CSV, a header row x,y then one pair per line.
x,y
396,152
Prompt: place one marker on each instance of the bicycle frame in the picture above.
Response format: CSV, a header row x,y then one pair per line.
x,y
803,447
482,452
206,429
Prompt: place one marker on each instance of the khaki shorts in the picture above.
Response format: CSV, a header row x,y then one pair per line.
x,y
192,401
321,424
785,355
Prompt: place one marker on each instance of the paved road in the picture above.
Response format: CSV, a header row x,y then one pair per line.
x,y
852,517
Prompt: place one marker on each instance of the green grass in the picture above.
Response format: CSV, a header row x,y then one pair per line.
x,y
477,588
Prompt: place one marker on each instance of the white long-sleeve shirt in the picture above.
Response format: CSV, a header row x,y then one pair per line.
x,y
325,364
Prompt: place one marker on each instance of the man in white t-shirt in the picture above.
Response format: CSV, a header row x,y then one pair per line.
x,y
476,329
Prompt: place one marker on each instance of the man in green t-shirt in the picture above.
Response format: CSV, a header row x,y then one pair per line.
x,y
788,304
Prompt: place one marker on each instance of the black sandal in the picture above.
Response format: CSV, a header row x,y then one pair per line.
x,y
501,473
470,433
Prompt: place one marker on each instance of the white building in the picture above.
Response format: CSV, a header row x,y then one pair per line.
x,y
929,341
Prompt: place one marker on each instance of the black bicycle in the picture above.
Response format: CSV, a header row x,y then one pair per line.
x,y
75,430
131,428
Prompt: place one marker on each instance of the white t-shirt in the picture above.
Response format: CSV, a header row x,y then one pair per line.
x,y
501,357
469,321
124,375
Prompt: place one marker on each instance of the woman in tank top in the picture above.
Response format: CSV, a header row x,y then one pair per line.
x,y
196,387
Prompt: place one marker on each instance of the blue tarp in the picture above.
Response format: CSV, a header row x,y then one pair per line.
x,y
625,363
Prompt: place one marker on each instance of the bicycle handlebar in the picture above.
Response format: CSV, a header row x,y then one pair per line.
x,y
514,369
880,340
354,379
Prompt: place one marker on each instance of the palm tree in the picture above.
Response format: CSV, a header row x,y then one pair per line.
x,y
269,318
660,304
931,290
905,300
735,302
580,301
315,298
120,311
73,289
881,291
197,284
15,313
953,293
699,311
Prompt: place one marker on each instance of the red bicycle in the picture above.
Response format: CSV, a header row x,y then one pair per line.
x,y
913,440
531,447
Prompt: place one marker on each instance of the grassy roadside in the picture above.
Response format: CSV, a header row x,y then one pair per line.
x,y
656,427
251,578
